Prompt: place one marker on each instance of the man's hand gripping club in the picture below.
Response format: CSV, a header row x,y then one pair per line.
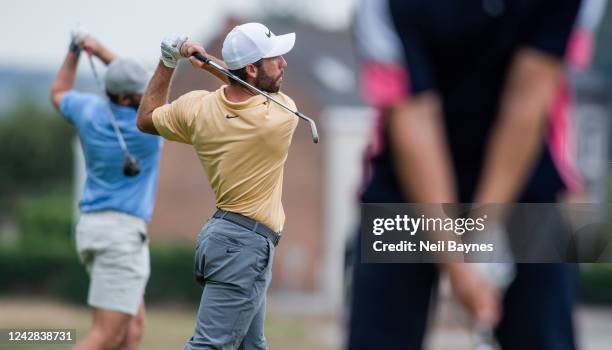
x,y
173,49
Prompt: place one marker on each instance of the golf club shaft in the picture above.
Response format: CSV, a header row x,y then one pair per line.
x,y
122,143
313,126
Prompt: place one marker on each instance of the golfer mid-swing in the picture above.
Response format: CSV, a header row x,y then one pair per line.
x,y
111,234
242,141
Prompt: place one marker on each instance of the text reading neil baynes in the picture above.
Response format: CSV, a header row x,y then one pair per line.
x,y
423,225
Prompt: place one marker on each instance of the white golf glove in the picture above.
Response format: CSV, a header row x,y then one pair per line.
x,y
502,271
171,49
76,35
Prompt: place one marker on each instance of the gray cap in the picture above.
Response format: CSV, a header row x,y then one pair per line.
x,y
126,76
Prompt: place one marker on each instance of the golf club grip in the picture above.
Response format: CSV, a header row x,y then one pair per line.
x,y
201,57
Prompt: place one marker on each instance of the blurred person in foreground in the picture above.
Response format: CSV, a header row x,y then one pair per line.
x,y
463,90
111,234
242,141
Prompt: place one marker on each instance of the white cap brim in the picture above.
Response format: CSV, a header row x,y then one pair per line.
x,y
283,44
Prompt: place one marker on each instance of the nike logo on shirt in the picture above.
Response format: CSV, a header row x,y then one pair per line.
x,y
230,116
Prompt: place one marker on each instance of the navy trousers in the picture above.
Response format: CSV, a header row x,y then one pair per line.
x,y
390,304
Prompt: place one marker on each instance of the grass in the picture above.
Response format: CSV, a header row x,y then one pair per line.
x,y
168,327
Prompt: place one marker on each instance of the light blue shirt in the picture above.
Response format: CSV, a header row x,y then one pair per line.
x,y
106,188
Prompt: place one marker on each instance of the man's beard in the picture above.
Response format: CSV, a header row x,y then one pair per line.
x,y
267,83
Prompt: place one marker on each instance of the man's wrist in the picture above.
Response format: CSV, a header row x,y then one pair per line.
x,y
162,66
74,47
74,55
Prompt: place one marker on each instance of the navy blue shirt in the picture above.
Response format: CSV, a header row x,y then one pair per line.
x,y
462,50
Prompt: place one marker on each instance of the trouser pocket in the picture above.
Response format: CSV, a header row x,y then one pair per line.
x,y
234,266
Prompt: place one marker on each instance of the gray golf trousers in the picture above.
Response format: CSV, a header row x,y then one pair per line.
x,y
234,266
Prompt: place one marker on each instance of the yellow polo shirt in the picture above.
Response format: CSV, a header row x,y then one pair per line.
x,y
242,146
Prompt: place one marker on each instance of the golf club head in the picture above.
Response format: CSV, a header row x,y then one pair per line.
x,y
313,126
131,167
313,131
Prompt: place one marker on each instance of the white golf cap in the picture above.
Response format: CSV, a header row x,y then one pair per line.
x,y
126,76
250,42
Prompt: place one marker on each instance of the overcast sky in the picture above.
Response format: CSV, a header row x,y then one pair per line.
x,y
35,33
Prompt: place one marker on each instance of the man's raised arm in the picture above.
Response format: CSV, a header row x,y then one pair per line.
x,y
156,94
65,77
64,80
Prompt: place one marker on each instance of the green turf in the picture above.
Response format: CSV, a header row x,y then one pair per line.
x,y
167,327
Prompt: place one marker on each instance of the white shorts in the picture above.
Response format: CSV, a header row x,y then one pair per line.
x,y
114,248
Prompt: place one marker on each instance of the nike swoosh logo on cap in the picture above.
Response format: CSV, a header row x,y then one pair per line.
x,y
269,34
230,116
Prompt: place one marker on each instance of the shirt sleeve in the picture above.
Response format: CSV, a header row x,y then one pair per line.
x,y
72,105
290,103
175,121
549,28
416,58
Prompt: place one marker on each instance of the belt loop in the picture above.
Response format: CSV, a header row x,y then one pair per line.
x,y
255,227
223,213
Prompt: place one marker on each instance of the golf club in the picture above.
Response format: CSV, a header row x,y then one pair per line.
x,y
131,167
499,275
313,126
